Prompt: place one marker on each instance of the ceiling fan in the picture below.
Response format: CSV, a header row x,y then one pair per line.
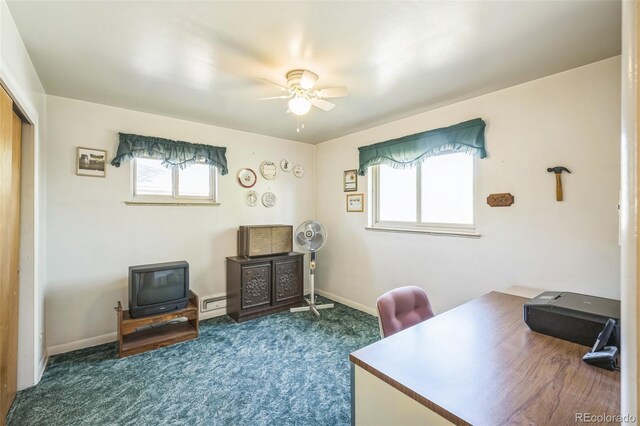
x,y
302,94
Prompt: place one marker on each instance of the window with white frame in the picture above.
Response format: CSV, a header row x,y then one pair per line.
x,y
437,195
153,182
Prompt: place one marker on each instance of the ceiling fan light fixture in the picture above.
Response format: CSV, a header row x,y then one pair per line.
x,y
299,105
308,79
302,96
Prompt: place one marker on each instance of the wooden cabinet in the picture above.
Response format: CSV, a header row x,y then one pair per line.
x,y
138,335
263,285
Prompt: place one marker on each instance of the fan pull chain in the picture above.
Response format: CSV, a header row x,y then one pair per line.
x,y
298,124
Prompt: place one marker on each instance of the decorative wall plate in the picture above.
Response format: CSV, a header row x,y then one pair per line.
x,y
252,198
269,199
286,165
247,178
298,171
269,170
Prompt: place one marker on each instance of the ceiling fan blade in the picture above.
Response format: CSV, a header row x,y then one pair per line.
x,y
322,104
308,80
274,97
332,92
264,80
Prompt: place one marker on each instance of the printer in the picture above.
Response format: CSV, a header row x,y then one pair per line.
x,y
574,317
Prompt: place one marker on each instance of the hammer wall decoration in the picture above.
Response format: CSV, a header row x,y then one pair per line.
x,y
558,171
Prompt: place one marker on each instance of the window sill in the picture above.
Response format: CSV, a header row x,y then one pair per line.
x,y
462,234
171,203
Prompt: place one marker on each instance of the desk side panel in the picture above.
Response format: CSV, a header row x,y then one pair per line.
x,y
377,403
480,364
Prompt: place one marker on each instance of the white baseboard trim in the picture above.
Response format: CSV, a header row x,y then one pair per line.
x,y
80,344
42,367
350,303
107,338
112,337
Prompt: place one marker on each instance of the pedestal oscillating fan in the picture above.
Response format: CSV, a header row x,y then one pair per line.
x,y
310,236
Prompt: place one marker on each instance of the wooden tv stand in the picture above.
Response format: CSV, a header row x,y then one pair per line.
x,y
131,341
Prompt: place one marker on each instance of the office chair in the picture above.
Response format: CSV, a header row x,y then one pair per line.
x,y
402,308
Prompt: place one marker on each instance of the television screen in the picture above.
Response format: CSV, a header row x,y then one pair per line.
x,y
159,286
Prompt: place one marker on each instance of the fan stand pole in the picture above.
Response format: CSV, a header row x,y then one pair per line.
x,y
312,295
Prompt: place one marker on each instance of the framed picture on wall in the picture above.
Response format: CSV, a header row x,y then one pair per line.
x,y
91,162
355,202
350,180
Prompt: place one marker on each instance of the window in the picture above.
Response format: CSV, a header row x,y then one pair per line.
x,y
437,196
154,183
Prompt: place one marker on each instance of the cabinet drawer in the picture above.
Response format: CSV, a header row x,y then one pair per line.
x,y
256,285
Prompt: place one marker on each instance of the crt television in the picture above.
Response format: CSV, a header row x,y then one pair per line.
x,y
158,288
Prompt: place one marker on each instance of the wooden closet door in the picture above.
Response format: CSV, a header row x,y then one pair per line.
x,y
14,265
10,143
6,146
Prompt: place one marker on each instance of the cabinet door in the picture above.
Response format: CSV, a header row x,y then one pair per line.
x,y
256,285
287,280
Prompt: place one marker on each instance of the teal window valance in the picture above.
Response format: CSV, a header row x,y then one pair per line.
x,y
409,151
172,153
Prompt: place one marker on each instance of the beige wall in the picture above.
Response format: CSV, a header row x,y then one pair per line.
x,y
21,81
570,119
93,237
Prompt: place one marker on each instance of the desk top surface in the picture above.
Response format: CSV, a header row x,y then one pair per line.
x,y
480,364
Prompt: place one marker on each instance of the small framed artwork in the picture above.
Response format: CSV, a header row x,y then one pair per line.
x,y
91,162
350,180
355,202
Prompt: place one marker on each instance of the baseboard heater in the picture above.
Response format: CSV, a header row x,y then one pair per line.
x,y
214,302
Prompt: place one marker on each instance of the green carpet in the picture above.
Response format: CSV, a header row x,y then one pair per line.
x,y
283,369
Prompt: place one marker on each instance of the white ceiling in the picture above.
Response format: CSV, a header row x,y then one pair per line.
x,y
201,61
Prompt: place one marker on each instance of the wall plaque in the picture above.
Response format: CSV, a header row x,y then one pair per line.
x,y
500,200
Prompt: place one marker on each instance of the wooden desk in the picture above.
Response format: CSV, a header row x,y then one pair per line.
x,y
480,364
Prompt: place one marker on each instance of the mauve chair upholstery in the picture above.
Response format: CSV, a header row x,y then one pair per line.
x,y
402,308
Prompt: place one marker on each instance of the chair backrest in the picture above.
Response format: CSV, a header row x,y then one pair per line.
x,y
402,308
